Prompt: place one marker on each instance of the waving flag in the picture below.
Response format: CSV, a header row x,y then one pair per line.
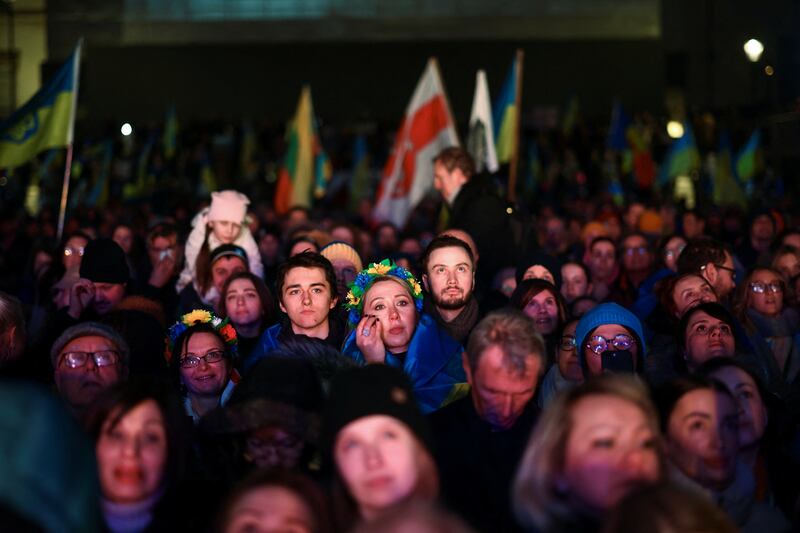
x,y
682,157
480,141
306,166
749,161
426,129
505,116
45,121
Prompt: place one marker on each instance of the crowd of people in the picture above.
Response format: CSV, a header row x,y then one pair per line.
x,y
611,368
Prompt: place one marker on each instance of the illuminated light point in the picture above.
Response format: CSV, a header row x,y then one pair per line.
x,y
674,129
753,49
768,70
509,210
126,129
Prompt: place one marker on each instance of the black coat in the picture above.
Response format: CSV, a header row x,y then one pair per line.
x,y
477,465
480,212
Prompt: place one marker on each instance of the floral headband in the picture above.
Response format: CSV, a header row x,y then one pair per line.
x,y
195,318
355,297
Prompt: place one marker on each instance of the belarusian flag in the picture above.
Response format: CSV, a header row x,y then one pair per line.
x,y
426,129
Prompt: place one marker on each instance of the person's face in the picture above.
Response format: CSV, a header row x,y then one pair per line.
x,y
500,393
225,230
344,234
690,291
594,361
445,181
379,460
106,296
225,267
160,245
273,446
788,265
124,237
132,455
574,283
707,337
693,226
450,277
725,280
611,449
206,379
411,247
270,246
391,302
387,238
702,437
539,272
307,297
41,262
752,411
672,251
792,239
636,255
73,252
242,302
345,274
602,260
769,302
567,356
762,228
81,386
543,310
270,509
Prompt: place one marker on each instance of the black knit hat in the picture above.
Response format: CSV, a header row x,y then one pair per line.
x,y
372,390
104,262
225,250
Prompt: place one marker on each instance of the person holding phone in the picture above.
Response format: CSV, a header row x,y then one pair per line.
x,y
610,339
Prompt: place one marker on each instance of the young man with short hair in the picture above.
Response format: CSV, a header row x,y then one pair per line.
x,y
306,290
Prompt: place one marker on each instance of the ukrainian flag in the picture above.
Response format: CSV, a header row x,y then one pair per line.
x,y
504,117
45,121
681,159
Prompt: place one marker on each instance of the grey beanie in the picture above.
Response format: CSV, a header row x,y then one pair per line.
x,y
87,329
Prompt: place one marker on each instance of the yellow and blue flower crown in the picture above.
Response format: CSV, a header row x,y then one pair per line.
x,y
354,302
194,318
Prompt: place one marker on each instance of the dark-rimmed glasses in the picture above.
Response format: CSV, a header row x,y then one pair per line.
x,y
192,360
101,358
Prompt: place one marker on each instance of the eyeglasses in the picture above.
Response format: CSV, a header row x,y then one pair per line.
x,y
638,250
101,358
598,344
729,269
567,342
760,287
68,251
191,360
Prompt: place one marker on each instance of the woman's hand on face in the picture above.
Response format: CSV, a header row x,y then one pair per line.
x,y
369,339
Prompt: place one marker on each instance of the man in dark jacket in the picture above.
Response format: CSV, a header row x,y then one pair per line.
x,y
475,208
480,438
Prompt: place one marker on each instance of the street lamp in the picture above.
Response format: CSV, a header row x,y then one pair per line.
x,y
753,49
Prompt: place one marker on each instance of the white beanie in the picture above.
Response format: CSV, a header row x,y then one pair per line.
x,y
230,206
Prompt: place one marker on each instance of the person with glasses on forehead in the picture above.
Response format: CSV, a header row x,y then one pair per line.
x,y
88,359
773,328
201,351
610,339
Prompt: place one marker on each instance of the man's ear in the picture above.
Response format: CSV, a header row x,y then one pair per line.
x,y
425,282
280,304
334,301
710,273
467,367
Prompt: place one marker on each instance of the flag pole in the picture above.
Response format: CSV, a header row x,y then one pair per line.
x,y
70,140
511,194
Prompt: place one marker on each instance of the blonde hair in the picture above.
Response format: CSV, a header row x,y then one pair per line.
x,y
537,502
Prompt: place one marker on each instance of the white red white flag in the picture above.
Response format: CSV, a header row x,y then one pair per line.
x,y
426,129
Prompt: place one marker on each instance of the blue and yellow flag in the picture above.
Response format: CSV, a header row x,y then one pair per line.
x,y
681,159
45,121
749,162
504,117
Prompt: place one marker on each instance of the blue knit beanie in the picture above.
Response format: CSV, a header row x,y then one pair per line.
x,y
609,314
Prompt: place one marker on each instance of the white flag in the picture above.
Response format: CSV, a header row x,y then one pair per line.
x,y
480,141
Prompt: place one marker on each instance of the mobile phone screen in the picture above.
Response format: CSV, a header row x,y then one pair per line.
x,y
618,362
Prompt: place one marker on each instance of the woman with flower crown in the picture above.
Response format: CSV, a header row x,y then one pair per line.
x,y
385,312
201,350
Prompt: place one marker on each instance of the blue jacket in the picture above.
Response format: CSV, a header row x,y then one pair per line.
x,y
433,364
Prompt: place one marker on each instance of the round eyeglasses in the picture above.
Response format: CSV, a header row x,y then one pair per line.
x,y
598,344
760,287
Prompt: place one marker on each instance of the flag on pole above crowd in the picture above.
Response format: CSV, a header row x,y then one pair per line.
x,y
505,116
480,140
426,129
749,161
306,166
46,121
681,159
